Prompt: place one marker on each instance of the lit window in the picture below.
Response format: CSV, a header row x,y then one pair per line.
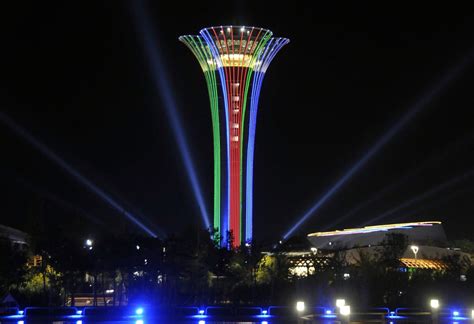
x,y
235,125
235,138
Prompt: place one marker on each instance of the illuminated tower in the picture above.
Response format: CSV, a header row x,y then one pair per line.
x,y
234,59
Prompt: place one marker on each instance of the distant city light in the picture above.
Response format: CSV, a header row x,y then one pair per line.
x,y
328,312
434,303
138,247
455,313
300,306
201,312
139,311
345,310
79,312
89,242
265,312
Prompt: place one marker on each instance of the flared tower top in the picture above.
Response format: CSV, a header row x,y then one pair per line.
x,y
236,46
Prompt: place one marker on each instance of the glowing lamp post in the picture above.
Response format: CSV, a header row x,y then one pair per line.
x,y
89,244
340,303
434,304
345,310
300,307
415,250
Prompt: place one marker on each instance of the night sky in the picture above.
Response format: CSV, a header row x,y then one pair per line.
x,y
75,75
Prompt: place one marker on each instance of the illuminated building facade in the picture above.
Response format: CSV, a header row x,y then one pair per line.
x,y
416,232
234,60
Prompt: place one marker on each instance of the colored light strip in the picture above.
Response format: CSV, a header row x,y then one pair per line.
x,y
262,63
243,49
200,49
215,54
257,54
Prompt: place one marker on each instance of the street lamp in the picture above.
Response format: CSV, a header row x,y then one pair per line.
x,y
340,303
434,303
345,310
300,306
89,244
415,249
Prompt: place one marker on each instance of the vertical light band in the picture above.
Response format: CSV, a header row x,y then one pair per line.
x,y
261,66
200,49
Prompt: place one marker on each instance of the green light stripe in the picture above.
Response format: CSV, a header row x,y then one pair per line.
x,y
202,53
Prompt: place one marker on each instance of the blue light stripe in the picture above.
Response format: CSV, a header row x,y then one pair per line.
x,y
265,58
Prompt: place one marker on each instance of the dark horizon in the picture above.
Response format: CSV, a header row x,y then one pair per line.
x,y
78,80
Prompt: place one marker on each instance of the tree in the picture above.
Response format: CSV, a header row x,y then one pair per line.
x,y
12,266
